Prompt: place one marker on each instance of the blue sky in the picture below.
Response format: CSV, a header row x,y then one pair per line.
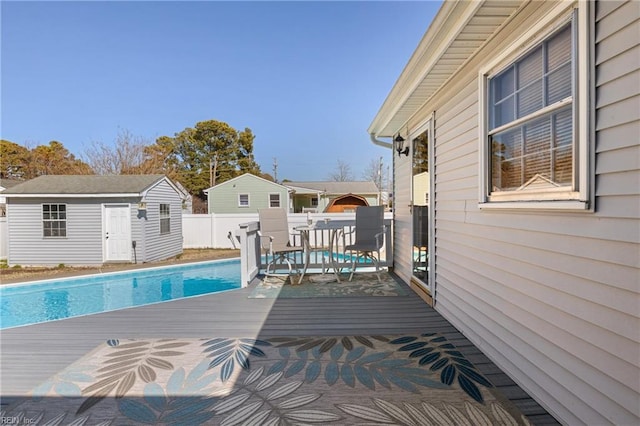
x,y
306,77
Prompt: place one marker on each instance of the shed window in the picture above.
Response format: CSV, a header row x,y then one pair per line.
x,y
165,218
243,200
274,200
54,220
535,148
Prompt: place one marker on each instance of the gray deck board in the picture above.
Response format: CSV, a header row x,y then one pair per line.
x,y
32,354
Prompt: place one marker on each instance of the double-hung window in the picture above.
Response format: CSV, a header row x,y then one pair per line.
x,y
274,200
243,200
165,218
54,220
535,119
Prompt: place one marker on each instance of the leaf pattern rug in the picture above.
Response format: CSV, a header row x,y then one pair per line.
x,y
402,380
316,285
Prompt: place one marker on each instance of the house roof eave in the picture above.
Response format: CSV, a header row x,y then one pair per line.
x,y
440,47
64,195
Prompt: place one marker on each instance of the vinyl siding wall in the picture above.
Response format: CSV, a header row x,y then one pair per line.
x,y
81,246
552,297
224,197
159,246
402,219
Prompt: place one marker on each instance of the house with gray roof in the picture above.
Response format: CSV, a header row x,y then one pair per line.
x,y
332,196
91,220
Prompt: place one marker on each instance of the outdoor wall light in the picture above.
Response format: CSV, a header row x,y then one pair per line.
x,y
142,205
399,144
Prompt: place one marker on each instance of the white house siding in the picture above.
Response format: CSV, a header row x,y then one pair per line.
x,y
402,225
161,246
82,246
552,298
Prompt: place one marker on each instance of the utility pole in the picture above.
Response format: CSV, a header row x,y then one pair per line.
x,y
275,169
213,166
380,182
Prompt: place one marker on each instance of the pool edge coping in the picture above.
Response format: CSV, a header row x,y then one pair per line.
x,y
150,268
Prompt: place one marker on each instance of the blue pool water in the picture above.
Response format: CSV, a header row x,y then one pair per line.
x,y
43,301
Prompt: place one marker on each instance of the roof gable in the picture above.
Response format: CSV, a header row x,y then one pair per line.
x,y
246,176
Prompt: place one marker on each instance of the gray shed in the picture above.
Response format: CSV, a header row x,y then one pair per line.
x,y
92,220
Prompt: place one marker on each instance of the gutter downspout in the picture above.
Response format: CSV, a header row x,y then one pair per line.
x,y
389,145
378,142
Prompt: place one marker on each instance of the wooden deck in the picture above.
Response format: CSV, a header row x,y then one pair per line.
x,y
31,354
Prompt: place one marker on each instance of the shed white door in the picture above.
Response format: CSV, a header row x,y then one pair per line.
x,y
117,226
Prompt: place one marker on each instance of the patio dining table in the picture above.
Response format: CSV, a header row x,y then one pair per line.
x,y
333,227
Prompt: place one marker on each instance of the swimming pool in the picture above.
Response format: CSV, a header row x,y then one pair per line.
x,y
42,301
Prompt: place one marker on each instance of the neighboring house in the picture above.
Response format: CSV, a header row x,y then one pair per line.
x,y
331,196
187,199
246,194
528,116
6,184
91,220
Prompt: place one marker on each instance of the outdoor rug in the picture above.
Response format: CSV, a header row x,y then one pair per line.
x,y
397,379
316,285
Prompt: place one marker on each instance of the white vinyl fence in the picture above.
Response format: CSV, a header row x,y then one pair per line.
x,y
4,241
213,230
219,230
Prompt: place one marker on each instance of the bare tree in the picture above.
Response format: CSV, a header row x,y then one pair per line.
x,y
342,172
377,172
126,156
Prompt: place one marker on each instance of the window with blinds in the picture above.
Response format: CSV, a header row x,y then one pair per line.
x,y
274,200
531,118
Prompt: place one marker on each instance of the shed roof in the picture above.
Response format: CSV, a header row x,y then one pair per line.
x,y
333,187
85,185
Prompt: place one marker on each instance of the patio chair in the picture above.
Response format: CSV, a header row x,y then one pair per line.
x,y
369,238
275,240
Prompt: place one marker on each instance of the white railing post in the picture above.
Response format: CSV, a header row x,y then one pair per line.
x,y
388,243
249,251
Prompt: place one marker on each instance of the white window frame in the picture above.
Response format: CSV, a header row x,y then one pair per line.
x,y
166,216
279,200
240,200
314,201
579,196
43,220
